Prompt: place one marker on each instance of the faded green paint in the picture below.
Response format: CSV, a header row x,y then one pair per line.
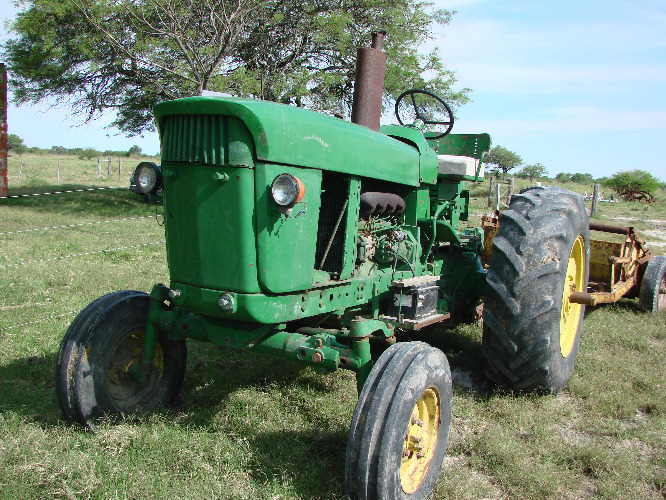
x,y
295,136
226,236
210,227
286,246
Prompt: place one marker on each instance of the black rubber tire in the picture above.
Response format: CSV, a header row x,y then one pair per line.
x,y
66,358
379,425
652,296
525,288
107,328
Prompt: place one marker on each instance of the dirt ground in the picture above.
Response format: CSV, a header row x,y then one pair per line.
x,y
655,236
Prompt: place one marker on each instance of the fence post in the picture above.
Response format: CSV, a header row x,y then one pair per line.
x,y
491,191
99,167
498,196
595,200
20,168
510,192
108,168
4,146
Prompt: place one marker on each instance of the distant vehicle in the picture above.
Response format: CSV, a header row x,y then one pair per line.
x,y
146,180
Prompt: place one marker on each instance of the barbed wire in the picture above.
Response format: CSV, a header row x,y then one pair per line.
x,y
77,225
38,321
65,192
81,254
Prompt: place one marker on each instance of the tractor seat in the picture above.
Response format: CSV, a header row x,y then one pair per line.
x,y
458,167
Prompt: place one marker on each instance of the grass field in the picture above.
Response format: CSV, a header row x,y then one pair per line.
x,y
250,427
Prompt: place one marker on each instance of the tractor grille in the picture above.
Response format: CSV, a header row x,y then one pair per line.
x,y
335,189
207,139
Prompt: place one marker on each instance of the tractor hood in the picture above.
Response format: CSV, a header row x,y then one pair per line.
x,y
289,135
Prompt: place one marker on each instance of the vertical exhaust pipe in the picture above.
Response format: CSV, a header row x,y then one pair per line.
x,y
369,83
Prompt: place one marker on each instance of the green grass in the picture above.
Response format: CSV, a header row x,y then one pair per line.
x,y
251,427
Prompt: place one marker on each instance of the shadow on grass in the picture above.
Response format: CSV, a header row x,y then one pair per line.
x,y
292,454
27,388
102,202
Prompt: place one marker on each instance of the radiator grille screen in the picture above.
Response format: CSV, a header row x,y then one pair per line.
x,y
207,139
334,194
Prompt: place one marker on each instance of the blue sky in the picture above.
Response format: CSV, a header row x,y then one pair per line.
x,y
579,86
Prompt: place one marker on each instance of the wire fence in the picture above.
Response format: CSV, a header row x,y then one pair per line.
x,y
67,226
64,192
5,329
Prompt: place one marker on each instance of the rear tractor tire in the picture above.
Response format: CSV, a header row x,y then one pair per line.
x,y
95,356
400,428
541,254
652,296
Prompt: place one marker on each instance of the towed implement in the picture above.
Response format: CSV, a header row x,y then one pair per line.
x,y
306,237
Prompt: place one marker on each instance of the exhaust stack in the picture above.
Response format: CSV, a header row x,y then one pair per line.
x,y
369,83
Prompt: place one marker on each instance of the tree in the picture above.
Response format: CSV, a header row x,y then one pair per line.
x,y
15,144
502,160
634,185
134,151
88,153
537,170
563,177
579,177
128,55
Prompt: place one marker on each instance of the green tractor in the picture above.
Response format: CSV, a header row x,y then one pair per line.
x,y
307,237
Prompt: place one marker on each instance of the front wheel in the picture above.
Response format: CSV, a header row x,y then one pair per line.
x,y
400,428
96,356
541,254
652,296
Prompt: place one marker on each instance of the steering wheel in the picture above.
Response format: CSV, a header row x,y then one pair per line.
x,y
425,106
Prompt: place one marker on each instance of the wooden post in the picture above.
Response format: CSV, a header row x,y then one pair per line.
x,y
99,167
491,191
108,168
120,167
4,146
595,200
20,168
510,192
498,195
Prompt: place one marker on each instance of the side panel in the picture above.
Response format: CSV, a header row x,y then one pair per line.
x,y
210,231
286,246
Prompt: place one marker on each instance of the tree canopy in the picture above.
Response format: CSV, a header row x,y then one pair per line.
x,y
634,185
502,160
128,55
530,171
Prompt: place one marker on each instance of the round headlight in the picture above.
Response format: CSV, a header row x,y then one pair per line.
x,y
147,177
287,190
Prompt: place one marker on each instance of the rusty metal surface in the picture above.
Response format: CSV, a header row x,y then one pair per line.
x,y
592,299
4,147
369,83
616,269
610,228
490,225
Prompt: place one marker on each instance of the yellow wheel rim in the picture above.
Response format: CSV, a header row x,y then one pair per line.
x,y
420,440
130,351
574,281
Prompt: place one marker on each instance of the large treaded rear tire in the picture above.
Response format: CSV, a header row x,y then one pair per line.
x,y
531,331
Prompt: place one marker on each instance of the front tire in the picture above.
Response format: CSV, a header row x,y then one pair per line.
x,y
93,369
400,428
541,254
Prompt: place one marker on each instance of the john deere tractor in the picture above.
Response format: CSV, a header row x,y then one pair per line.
x,y
307,237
